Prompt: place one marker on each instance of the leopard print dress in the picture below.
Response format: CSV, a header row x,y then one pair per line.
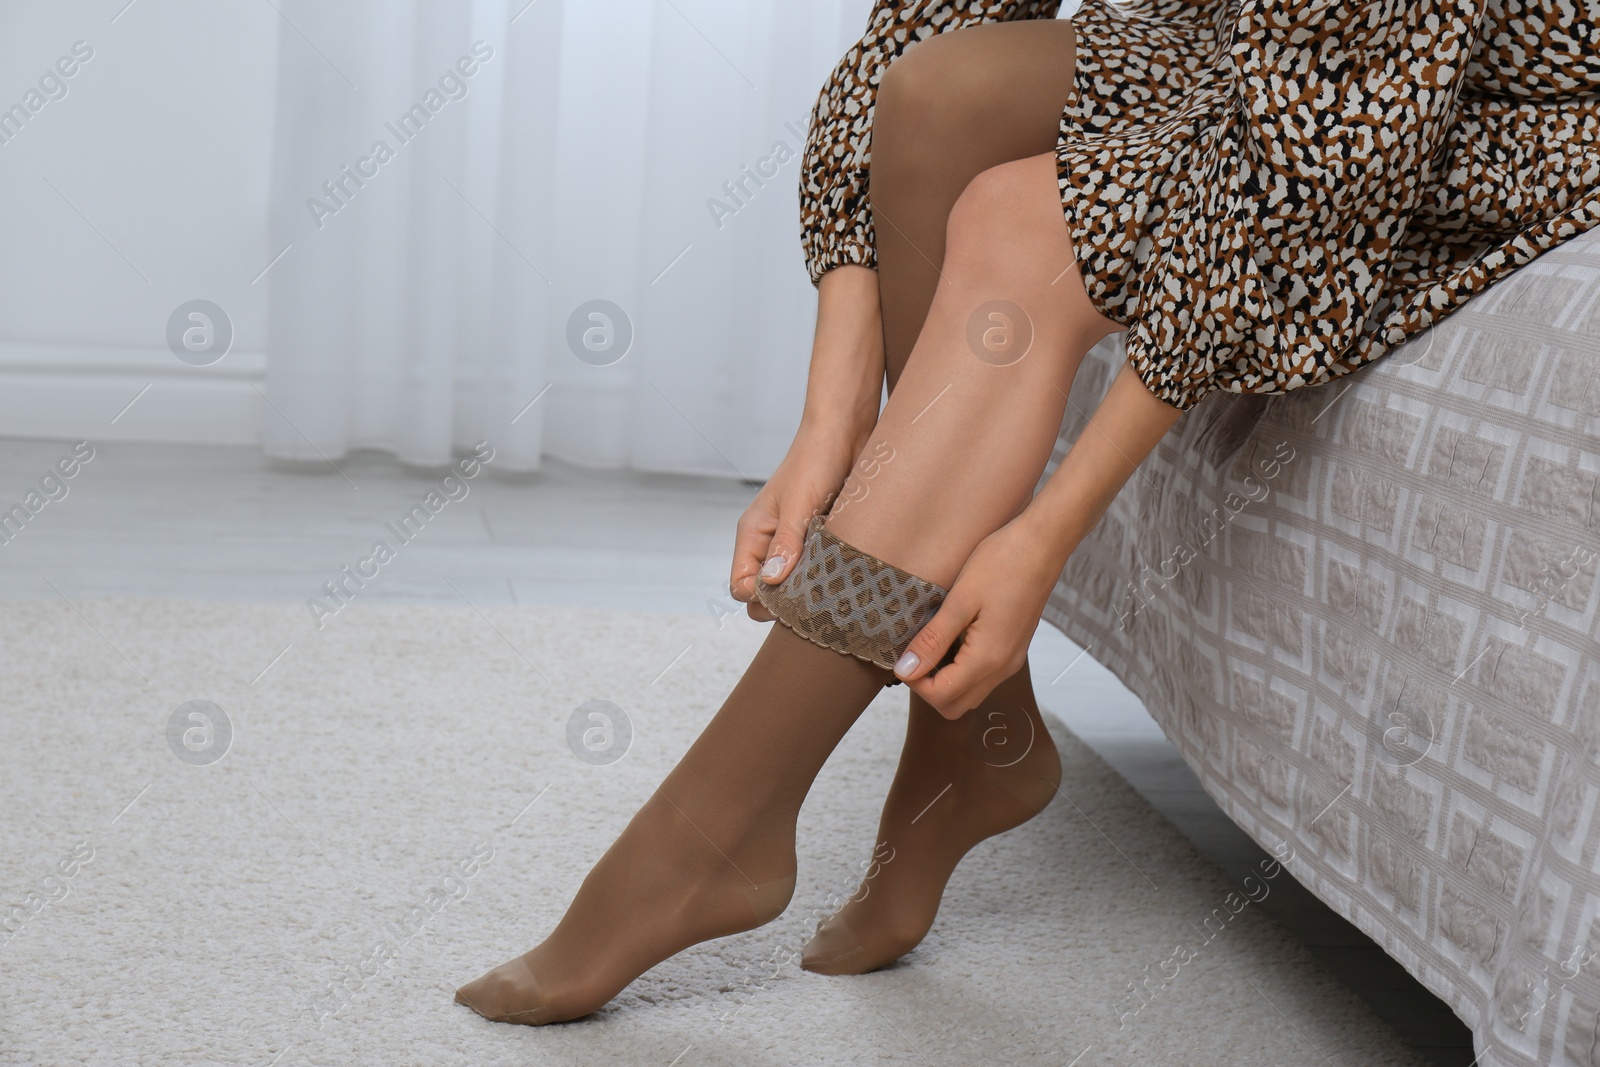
x,y
1269,194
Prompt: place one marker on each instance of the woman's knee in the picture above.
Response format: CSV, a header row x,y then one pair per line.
x,y
1007,214
920,92
992,82
977,83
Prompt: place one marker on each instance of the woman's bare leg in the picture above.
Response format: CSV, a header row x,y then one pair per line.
x,y
948,109
712,852
970,439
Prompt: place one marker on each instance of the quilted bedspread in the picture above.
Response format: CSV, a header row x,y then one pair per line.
x,y
1365,613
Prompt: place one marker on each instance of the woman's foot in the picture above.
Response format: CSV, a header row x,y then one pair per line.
x,y
711,852
662,886
959,782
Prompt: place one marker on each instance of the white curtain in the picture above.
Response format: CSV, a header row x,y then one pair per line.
x,y
537,156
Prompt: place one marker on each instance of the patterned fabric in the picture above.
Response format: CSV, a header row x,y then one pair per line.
x,y
1272,194
1367,616
841,598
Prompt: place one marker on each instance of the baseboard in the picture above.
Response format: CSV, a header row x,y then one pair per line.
x,y
113,393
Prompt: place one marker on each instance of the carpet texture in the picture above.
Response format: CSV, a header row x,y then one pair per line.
x,y
302,867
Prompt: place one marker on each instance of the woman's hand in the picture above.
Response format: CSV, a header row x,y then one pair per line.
x,y
843,389
994,606
999,596
772,528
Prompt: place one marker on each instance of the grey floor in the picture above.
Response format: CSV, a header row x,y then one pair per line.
x,y
220,523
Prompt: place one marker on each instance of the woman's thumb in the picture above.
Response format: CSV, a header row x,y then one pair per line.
x,y
784,549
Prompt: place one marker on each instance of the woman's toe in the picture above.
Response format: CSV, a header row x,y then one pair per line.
x,y
832,944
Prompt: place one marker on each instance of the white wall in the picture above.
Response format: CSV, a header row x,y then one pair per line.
x,y
145,186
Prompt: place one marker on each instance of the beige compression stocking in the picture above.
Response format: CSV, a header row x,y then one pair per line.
x,y
841,598
959,781
960,103
710,854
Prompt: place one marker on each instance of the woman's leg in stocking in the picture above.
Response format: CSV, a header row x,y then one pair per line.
x,y
712,852
948,109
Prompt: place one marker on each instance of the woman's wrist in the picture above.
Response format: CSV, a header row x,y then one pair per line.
x,y
845,384
1123,430
1052,536
833,430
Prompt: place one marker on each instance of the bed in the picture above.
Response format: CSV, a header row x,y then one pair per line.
x,y
1365,615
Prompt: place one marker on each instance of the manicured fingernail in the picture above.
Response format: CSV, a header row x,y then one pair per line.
x,y
906,664
771,568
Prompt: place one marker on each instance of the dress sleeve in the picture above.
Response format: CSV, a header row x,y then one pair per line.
x,y
835,217
1284,249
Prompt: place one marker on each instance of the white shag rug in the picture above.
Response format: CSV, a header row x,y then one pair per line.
x,y
399,808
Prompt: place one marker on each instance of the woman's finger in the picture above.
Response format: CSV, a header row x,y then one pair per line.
x,y
931,643
952,688
752,535
783,548
967,682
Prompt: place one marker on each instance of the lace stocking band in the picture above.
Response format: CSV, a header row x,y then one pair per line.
x,y
841,598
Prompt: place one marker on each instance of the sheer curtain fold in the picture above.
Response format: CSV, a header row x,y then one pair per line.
x,y
454,181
